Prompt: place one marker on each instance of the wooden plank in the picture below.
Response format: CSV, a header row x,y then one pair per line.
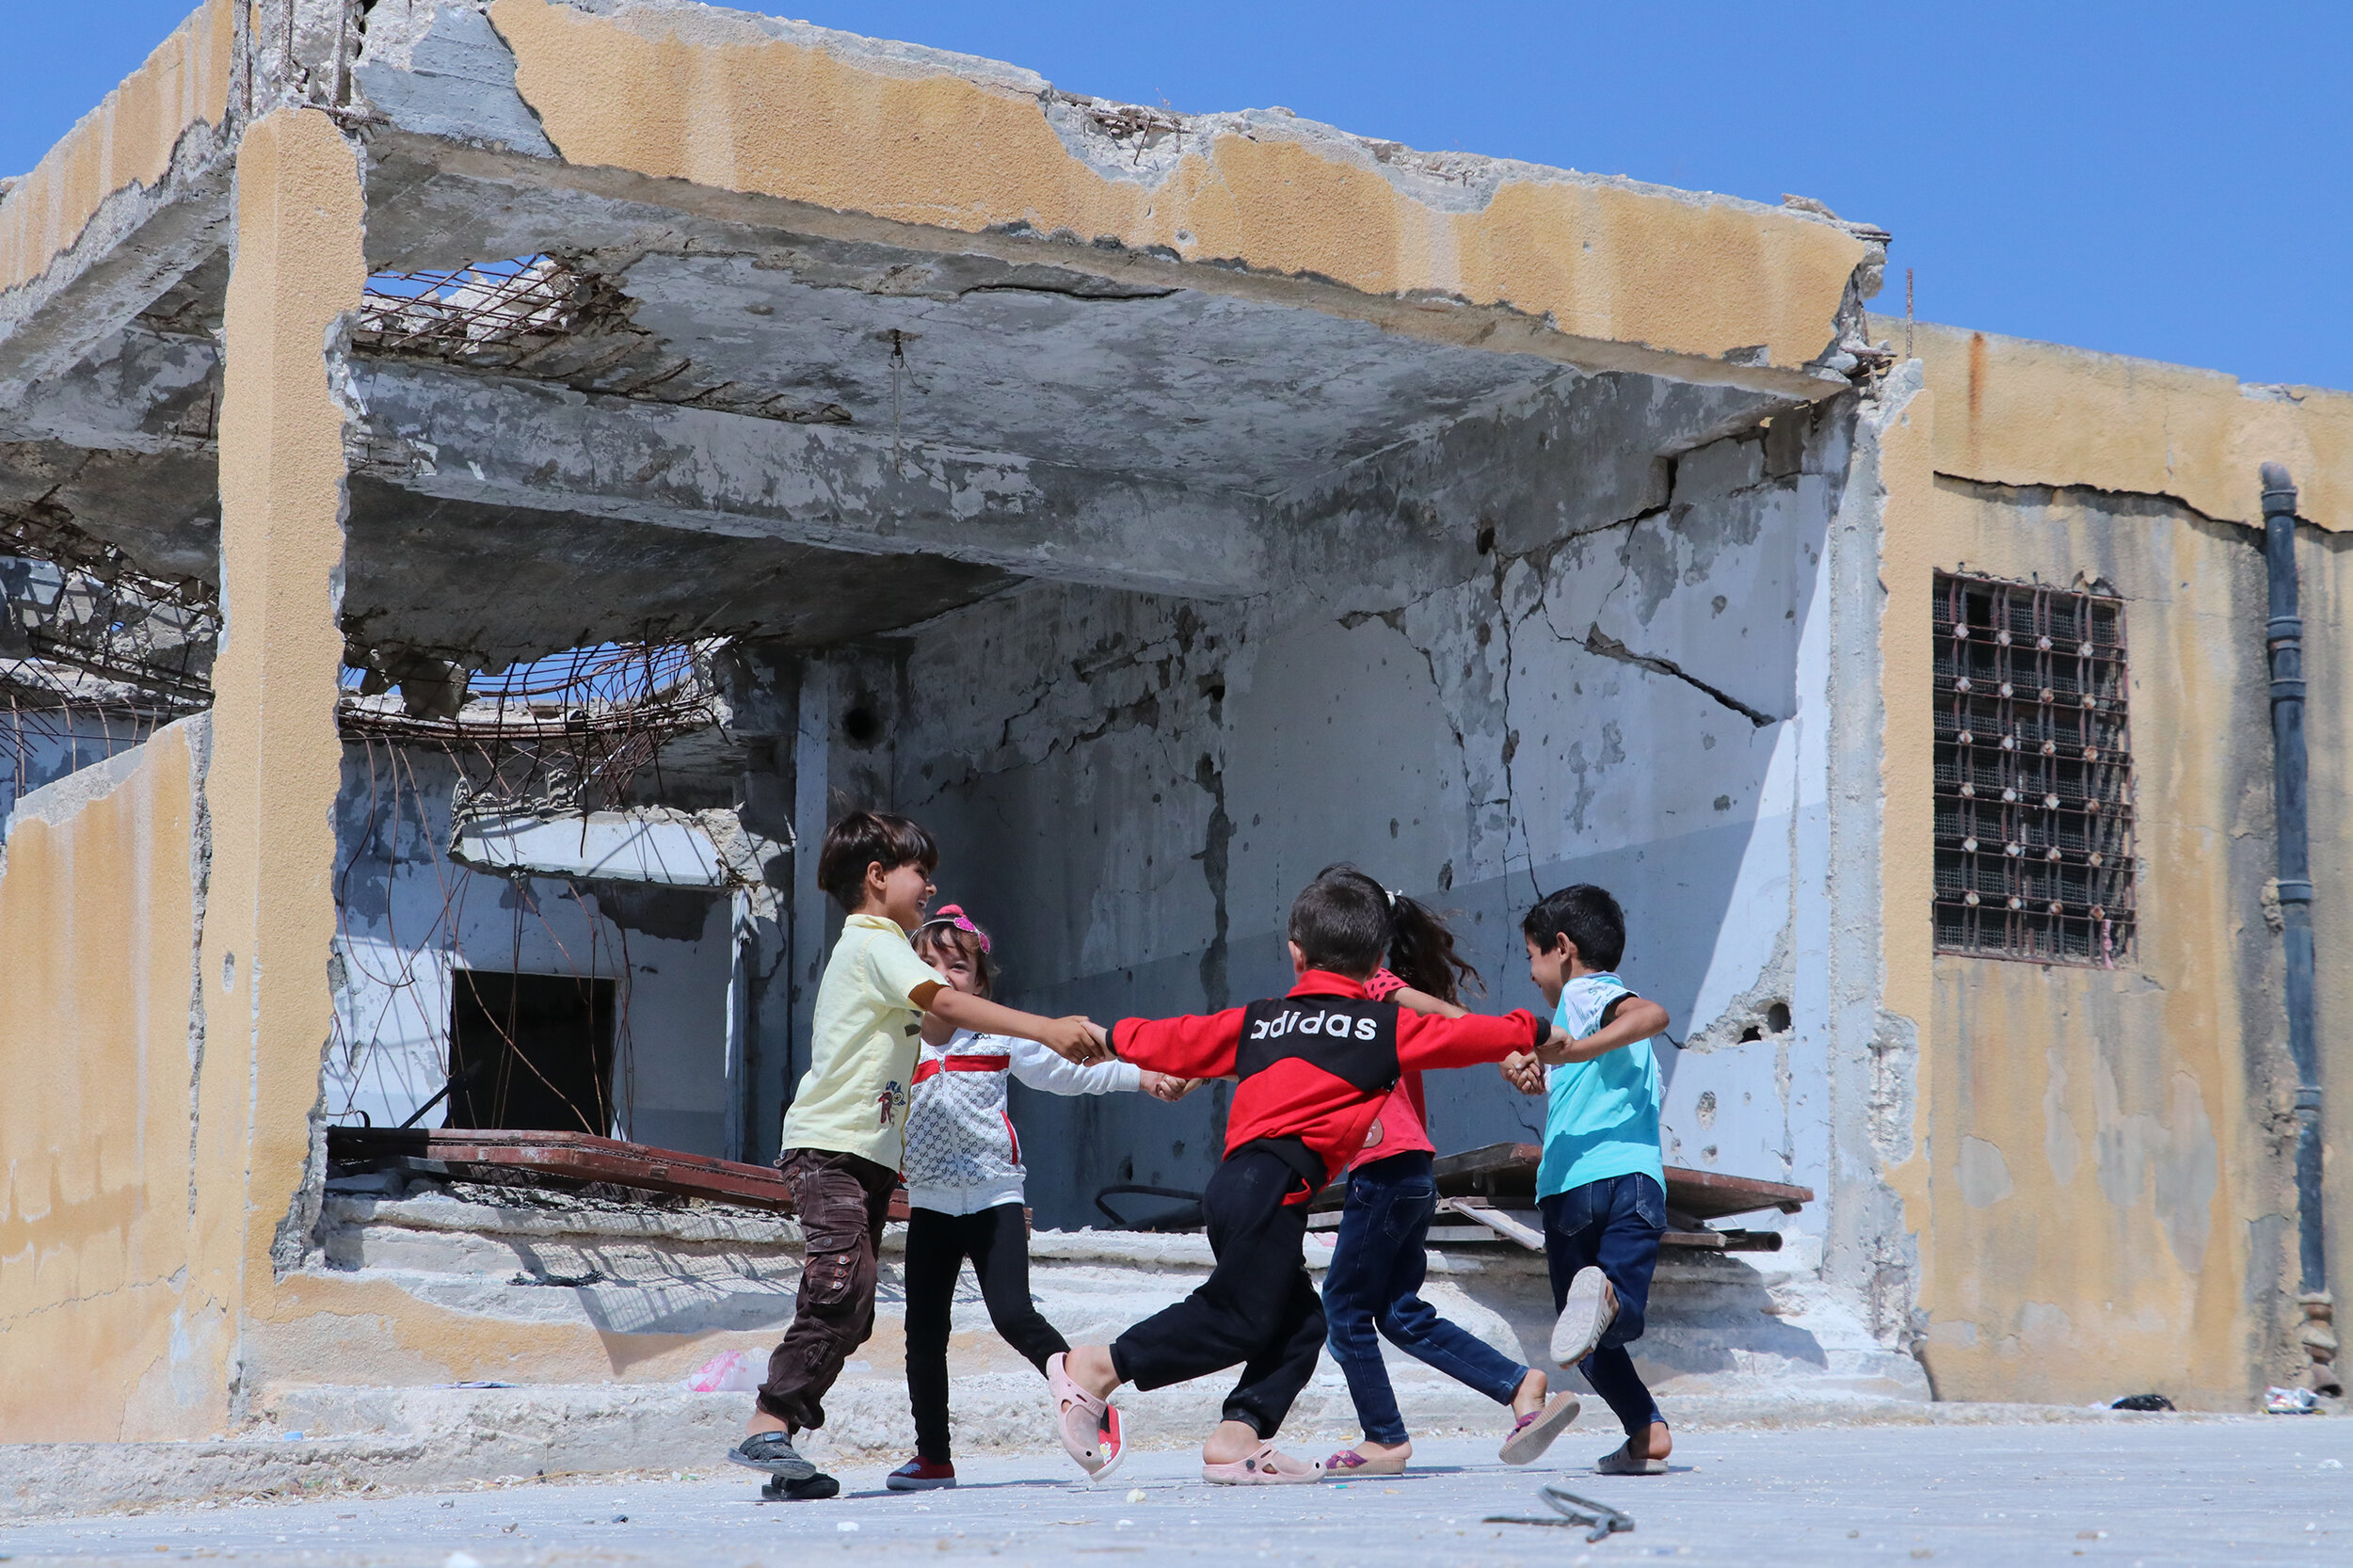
x,y
577,1157
1508,1170
1512,1160
1479,1211
1714,1195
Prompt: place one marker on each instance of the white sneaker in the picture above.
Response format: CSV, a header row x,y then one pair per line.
x,y
1591,1306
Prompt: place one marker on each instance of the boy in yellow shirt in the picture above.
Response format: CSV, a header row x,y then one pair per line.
x,y
846,1132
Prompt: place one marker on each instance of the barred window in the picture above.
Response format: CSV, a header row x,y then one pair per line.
x,y
2034,796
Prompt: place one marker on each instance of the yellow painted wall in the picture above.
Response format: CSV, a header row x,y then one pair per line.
x,y
2099,1191
2019,412
713,96
104,1332
127,140
239,1129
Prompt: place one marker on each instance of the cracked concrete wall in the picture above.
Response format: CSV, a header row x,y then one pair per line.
x,y
2102,1181
409,915
1130,788
108,1329
134,197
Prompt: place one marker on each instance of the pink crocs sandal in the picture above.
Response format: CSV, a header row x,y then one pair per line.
x,y
1269,1466
1348,1462
1089,1428
1535,1431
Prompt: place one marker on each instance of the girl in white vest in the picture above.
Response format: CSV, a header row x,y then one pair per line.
x,y
964,1177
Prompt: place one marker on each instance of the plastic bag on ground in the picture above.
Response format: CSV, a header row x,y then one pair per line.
x,y
729,1372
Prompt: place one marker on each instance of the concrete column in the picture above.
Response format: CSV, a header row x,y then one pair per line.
x,y
270,915
843,754
813,921
760,681
816,734
1880,1243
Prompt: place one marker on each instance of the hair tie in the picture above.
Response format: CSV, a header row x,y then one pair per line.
x,y
1392,894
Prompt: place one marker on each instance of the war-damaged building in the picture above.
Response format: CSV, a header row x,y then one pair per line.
x,y
482,483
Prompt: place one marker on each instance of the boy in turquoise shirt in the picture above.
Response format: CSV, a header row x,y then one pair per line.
x,y
1601,1184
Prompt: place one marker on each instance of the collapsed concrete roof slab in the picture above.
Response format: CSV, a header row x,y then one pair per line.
x,y
163,510
854,298
738,101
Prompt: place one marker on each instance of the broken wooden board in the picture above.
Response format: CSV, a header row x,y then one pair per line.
x,y
484,1154
1505,1171
1526,1226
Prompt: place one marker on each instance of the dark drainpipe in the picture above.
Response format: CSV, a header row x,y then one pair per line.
x,y
2284,635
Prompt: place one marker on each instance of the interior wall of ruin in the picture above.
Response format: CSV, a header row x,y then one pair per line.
x,y
409,915
1131,790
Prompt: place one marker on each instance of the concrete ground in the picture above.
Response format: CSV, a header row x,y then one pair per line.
x,y
2156,1491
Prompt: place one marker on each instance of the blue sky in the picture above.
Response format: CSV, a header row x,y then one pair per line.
x,y
2160,179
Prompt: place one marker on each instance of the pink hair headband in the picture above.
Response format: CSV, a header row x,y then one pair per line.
x,y
952,914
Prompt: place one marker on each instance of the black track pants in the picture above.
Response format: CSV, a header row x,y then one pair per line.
x,y
1257,1307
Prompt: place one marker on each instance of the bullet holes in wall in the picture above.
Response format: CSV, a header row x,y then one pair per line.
x,y
861,726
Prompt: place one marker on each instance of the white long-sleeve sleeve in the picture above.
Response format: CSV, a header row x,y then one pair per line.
x,y
1042,1068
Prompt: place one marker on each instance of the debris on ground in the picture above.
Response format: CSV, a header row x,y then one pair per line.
x,y
1574,1511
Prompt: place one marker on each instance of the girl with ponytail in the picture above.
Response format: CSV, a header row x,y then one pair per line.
x,y
1373,1291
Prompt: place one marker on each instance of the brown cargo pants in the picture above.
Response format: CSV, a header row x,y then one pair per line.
x,y
841,1200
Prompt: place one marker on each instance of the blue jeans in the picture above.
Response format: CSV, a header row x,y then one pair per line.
x,y
1374,1292
1612,1224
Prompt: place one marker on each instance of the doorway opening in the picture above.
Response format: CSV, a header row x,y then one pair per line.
x,y
531,1052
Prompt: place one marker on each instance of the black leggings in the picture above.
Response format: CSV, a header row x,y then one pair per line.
x,y
997,1242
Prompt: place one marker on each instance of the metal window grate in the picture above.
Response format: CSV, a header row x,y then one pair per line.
x,y
2034,794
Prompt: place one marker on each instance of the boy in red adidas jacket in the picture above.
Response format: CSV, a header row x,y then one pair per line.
x,y
1314,1067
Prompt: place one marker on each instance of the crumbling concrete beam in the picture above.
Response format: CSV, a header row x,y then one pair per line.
x,y
439,202
132,199
500,443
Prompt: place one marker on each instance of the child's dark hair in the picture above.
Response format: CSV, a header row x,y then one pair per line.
x,y
946,934
1421,952
1348,923
1587,916
864,838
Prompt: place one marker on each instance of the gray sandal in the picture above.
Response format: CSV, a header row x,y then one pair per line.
x,y
772,1452
1619,1461
816,1488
